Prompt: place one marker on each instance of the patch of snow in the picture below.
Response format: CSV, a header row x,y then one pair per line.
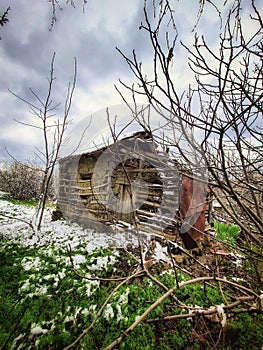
x,y
78,259
161,254
89,287
167,272
25,286
37,330
119,313
102,262
86,312
237,259
237,279
62,274
124,298
261,301
222,315
92,308
52,241
108,312
29,263
58,234
69,319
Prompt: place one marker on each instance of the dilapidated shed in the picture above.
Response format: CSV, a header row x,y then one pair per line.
x,y
133,181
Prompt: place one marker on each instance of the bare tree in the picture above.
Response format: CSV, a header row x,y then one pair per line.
x,y
3,18
223,105
57,6
53,134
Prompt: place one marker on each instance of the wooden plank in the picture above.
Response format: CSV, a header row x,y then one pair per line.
x,y
138,170
157,232
160,216
84,181
152,204
149,193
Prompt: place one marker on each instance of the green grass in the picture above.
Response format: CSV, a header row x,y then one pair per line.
x,y
39,289
26,203
227,233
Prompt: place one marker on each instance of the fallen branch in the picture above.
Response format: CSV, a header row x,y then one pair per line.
x,y
159,283
166,295
17,219
212,310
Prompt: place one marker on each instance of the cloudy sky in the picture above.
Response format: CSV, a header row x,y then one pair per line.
x,y
27,47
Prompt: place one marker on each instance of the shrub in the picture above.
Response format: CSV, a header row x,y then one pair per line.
x,y
22,180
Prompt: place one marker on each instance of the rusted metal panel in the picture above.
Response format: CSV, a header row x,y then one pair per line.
x,y
193,206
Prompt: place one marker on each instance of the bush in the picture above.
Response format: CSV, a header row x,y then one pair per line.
x,y
22,181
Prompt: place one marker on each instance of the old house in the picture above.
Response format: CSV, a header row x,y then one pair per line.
x,y
133,181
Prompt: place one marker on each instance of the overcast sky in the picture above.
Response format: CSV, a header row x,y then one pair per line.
x,y
27,46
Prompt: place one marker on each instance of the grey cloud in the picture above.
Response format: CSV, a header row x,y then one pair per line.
x,y
13,148
27,47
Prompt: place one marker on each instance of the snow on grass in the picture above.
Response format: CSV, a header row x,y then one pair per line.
x,y
57,236
53,263
29,263
51,244
56,233
118,305
46,274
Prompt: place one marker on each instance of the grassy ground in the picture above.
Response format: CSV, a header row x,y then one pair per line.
x,y
26,203
44,304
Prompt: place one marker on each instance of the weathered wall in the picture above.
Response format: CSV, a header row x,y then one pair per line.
x,y
167,196
70,199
